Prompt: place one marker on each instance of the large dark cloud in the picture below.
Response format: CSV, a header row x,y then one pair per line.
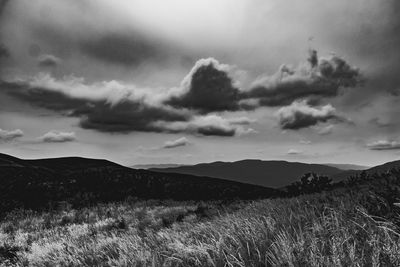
x,y
321,78
207,88
99,114
108,107
300,115
126,116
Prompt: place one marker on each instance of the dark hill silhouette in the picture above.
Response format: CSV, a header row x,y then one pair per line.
x,y
265,173
72,164
80,181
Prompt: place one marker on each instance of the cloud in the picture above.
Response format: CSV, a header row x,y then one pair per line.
x,y
111,106
115,107
127,116
58,137
48,61
183,141
294,152
305,142
384,145
319,78
6,135
105,106
241,121
204,125
325,130
207,88
300,115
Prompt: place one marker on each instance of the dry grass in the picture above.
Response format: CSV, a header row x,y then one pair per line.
x,y
337,228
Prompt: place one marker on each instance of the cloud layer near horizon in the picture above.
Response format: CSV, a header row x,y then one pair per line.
x,y
115,107
111,106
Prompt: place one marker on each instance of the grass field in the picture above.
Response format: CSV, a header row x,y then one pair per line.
x,y
357,226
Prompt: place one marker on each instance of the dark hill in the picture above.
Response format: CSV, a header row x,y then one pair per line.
x,y
265,173
72,164
80,181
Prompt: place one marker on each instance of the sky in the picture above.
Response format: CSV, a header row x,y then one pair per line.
x,y
190,81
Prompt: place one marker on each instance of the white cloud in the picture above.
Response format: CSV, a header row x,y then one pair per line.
x,y
183,141
58,137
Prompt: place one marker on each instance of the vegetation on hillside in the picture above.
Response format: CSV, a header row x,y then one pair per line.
x,y
354,224
41,184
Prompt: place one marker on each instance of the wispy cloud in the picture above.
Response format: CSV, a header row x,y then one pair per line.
x,y
384,145
9,135
294,152
183,141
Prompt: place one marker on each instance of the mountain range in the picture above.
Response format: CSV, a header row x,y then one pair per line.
x,y
274,174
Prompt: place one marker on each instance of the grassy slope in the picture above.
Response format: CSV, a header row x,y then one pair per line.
x,y
357,226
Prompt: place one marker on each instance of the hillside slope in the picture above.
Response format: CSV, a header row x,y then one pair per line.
x,y
36,183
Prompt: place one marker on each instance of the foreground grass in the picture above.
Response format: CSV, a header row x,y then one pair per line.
x,y
327,229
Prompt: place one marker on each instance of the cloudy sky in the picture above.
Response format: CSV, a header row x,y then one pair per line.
x,y
188,81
